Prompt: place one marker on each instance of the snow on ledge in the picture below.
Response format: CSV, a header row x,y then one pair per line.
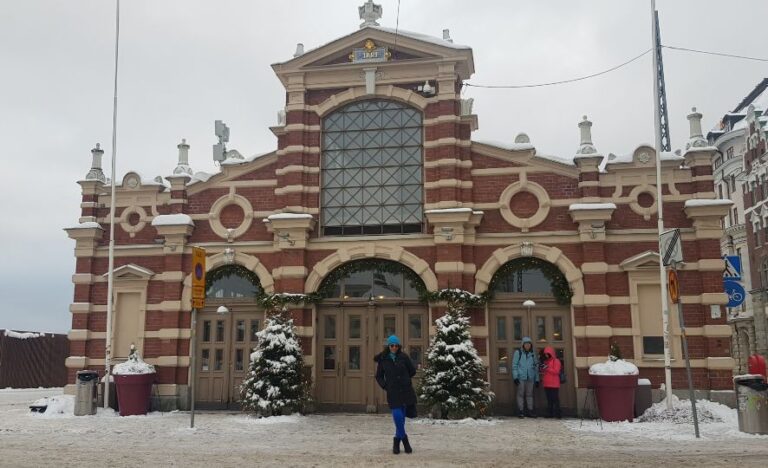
x,y
708,202
172,220
618,367
86,225
591,206
22,336
287,216
449,210
507,146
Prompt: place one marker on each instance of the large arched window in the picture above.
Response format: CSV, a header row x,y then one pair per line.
x,y
378,279
372,169
232,282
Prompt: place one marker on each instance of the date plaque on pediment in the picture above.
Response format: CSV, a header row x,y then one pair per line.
x,y
369,53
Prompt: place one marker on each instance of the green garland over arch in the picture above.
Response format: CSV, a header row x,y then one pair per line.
x,y
560,287
355,266
225,271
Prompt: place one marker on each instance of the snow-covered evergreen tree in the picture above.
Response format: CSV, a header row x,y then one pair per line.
x,y
454,381
275,383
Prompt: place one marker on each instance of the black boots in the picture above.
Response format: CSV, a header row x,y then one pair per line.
x,y
407,445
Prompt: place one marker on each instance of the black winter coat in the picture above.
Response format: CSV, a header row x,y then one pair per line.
x,y
395,378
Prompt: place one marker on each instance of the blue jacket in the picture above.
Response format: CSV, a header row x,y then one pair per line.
x,y
525,365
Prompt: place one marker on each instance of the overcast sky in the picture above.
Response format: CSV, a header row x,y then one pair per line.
x,y
185,63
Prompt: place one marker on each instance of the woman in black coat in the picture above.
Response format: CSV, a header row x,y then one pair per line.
x,y
394,371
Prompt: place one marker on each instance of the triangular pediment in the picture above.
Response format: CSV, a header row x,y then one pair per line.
x,y
403,46
647,260
132,272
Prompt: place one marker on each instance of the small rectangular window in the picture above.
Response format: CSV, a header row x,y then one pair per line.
x,y
238,359
240,333
219,330
254,331
501,328
354,326
205,360
557,329
517,328
354,358
329,357
207,330
330,327
414,326
389,325
416,355
541,329
653,345
218,363
503,363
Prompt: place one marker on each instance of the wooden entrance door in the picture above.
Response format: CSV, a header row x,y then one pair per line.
x,y
348,337
225,343
548,324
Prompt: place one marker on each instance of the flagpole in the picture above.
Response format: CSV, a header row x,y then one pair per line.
x,y
111,267
659,204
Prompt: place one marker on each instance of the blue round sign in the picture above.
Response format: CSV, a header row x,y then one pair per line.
x,y
198,271
736,293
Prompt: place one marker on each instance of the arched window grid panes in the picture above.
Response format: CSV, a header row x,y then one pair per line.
x,y
371,169
529,281
233,286
374,284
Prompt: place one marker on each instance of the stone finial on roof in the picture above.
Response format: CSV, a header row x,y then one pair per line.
x,y
96,173
182,167
522,138
369,13
586,147
447,35
696,139
299,50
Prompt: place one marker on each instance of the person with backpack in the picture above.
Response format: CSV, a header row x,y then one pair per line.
x,y
525,372
394,371
551,376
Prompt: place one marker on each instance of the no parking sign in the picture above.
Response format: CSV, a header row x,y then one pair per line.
x,y
198,277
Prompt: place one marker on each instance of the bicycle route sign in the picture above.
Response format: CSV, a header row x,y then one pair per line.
x,y
736,293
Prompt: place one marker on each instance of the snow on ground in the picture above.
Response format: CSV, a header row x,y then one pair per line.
x,y
224,439
716,422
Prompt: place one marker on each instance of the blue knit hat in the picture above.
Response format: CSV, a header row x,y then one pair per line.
x,y
393,340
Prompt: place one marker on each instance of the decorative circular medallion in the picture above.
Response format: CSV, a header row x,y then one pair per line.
x,y
524,204
133,219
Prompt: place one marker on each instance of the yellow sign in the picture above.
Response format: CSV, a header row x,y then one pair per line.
x,y
198,277
674,286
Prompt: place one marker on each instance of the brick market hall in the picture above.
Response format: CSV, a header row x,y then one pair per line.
x,y
376,193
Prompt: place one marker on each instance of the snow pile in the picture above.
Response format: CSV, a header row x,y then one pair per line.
x,y
681,413
134,365
22,336
57,406
610,367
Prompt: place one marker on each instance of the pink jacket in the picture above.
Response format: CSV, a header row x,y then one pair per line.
x,y
550,375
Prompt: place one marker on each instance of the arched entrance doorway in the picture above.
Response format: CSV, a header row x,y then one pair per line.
x,y
226,337
367,301
547,320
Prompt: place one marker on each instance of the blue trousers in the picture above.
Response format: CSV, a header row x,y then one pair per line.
x,y
398,415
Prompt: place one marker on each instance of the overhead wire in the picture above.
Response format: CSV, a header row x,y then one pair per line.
x,y
593,75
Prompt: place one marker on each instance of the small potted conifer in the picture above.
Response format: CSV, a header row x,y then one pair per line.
x,y
134,379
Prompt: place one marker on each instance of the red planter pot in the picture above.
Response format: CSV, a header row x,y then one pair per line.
x,y
615,396
133,392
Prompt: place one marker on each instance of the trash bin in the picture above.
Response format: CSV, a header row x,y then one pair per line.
x,y
85,393
643,398
752,398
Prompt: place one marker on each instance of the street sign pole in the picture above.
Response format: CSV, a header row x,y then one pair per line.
x,y
691,394
198,301
193,366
